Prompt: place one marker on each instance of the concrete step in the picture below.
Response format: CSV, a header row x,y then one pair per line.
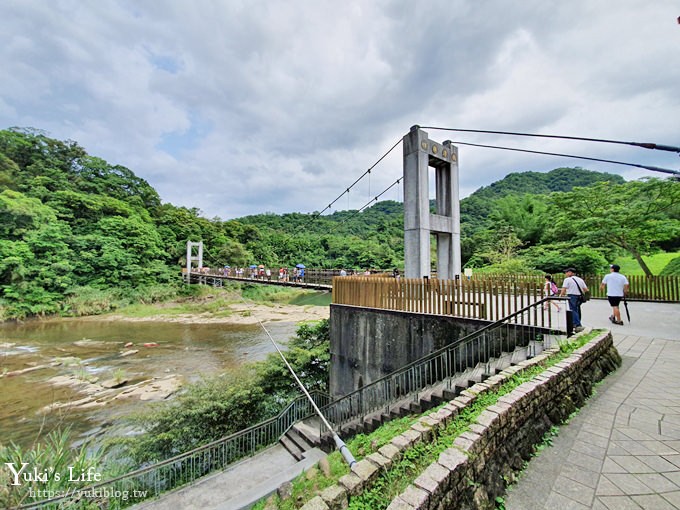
x,y
371,423
291,447
299,440
309,430
428,398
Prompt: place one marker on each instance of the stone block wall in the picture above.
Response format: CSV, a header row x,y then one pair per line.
x,y
472,473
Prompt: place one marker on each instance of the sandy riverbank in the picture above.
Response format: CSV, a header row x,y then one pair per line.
x,y
240,314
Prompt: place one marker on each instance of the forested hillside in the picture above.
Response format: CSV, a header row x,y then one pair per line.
x,y
79,235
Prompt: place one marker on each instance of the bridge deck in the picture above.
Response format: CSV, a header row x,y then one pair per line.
x,y
301,284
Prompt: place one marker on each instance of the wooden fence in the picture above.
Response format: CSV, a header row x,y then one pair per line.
x,y
642,288
490,299
655,288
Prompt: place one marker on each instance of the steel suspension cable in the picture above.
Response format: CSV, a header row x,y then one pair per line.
x,y
339,443
367,172
644,145
645,167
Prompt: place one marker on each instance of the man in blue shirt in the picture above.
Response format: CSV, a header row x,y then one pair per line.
x,y
574,287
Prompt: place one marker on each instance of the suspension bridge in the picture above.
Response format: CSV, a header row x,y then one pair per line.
x,y
495,325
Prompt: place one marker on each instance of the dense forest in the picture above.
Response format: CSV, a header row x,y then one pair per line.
x,y
79,235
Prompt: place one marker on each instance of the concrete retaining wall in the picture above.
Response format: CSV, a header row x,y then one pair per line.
x,y
367,344
473,472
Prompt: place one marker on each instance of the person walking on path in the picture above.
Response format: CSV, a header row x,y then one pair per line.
x,y
617,288
574,288
550,289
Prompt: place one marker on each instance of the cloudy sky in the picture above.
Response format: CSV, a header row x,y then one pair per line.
x,y
239,108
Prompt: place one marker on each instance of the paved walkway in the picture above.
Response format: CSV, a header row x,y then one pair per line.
x,y
622,451
240,486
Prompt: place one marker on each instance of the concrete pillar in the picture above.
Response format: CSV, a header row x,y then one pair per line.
x,y
191,257
416,206
454,209
420,153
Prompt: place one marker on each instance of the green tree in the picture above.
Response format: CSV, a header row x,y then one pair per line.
x,y
632,216
499,245
527,215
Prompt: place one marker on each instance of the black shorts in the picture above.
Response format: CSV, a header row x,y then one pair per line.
x,y
614,300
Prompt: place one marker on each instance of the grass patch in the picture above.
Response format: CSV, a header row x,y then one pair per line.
x,y
655,262
416,459
312,298
216,301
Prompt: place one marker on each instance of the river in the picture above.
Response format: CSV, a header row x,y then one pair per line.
x,y
53,371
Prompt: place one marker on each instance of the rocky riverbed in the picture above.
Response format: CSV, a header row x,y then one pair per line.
x,y
89,372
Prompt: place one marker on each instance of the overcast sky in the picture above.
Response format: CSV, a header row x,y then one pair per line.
x,y
239,108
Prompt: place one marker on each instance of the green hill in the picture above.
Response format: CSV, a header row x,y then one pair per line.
x,y
476,209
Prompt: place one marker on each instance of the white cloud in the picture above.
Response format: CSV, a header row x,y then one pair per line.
x,y
244,107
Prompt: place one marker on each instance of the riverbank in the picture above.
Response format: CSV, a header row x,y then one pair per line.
x,y
241,314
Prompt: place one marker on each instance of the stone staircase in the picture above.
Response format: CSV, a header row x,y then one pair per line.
x,y
304,435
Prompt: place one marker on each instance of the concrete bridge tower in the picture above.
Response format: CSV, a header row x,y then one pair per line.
x,y
421,153
191,257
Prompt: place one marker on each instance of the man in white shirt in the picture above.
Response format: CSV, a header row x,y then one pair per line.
x,y
574,287
617,287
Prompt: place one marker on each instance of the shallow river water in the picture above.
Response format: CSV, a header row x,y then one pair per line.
x,y
94,350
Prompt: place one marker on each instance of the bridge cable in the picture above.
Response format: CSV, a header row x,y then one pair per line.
x,y
645,167
374,199
337,224
367,172
339,443
644,145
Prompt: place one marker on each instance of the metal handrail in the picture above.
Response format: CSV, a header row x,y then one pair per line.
x,y
442,365
150,481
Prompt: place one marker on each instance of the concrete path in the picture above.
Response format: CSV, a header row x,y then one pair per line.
x,y
622,451
240,486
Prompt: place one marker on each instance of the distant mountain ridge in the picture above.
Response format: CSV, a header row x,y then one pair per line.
x,y
476,208
560,179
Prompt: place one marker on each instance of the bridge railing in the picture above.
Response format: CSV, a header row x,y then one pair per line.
x,y
152,480
410,382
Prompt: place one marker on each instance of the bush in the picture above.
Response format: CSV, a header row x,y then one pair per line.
x,y
512,266
155,293
208,410
55,456
672,268
584,259
219,406
91,301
